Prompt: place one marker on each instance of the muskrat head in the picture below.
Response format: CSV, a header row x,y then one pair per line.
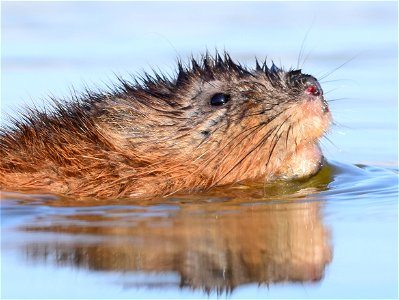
x,y
224,122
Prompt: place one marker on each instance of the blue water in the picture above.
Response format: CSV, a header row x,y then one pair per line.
x,y
335,236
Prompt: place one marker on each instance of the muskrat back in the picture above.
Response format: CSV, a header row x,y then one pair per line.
x,y
216,123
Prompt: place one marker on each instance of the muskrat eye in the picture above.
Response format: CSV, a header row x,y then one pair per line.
x,y
219,99
312,90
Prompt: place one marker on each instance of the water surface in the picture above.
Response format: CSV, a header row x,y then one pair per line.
x,y
333,236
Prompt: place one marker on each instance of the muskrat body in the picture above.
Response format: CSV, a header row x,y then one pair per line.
x,y
216,123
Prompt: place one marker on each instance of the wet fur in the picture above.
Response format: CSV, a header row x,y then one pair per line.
x,y
160,135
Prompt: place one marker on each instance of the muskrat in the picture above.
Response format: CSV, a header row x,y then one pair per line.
x,y
218,122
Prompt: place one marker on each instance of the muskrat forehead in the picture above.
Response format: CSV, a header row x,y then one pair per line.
x,y
239,89
209,88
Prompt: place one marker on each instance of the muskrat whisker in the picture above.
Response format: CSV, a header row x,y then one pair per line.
x,y
306,58
335,80
273,147
329,140
288,132
276,140
257,146
303,45
242,132
337,99
337,68
292,130
233,139
215,182
330,91
340,125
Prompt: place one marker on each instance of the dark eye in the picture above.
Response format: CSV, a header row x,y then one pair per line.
x,y
312,90
219,99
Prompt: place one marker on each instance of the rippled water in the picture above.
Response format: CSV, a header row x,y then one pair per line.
x,y
332,236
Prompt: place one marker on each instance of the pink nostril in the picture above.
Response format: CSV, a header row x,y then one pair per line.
x,y
312,90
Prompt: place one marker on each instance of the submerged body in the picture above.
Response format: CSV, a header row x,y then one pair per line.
x,y
216,123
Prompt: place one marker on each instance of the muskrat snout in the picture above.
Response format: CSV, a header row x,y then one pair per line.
x,y
315,92
313,87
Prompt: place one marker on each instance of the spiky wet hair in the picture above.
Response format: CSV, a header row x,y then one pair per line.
x,y
163,87
207,68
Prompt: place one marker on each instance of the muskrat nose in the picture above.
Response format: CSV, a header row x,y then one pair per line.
x,y
312,86
312,90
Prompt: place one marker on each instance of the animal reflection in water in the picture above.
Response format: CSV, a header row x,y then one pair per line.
x,y
210,246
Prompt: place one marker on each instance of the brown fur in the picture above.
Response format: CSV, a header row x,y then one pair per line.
x,y
162,135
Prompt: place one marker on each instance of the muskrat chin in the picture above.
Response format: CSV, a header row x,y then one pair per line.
x,y
299,155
